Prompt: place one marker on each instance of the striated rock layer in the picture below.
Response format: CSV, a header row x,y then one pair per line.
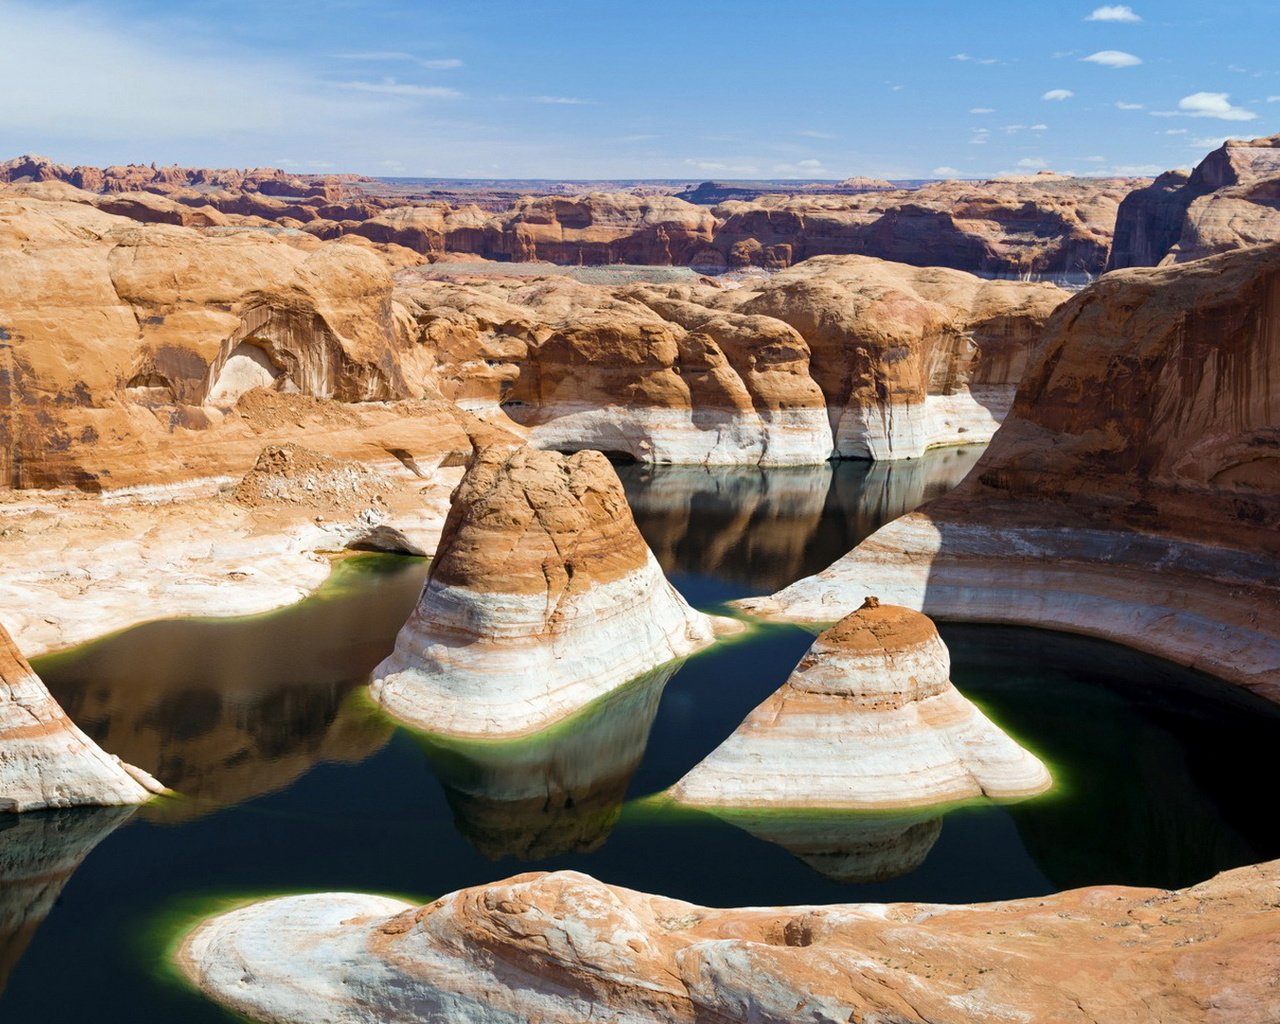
x,y
45,761
869,720
542,597
1134,492
567,948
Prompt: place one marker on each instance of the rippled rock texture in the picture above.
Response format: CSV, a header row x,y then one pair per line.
x,y
542,597
1134,492
567,948
869,720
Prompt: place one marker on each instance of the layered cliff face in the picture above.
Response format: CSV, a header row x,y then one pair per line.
x,y
542,598
45,761
565,947
848,356
1230,200
908,358
121,338
1134,491
869,720
1045,224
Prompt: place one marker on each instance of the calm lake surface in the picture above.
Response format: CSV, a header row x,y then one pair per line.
x,y
292,783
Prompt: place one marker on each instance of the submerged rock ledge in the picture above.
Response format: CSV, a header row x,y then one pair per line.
x,y
568,948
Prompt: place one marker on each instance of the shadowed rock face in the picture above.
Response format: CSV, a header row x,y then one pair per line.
x,y
1230,200
38,854
1132,494
542,597
869,719
45,761
555,793
565,947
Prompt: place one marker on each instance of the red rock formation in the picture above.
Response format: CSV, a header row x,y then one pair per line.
x,y
567,948
1230,200
1134,491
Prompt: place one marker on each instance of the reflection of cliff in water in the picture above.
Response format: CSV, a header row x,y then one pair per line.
x,y
1159,763
265,698
38,854
768,528
554,792
843,847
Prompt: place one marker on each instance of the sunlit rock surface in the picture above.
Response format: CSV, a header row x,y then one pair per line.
x,y
542,597
868,720
45,761
1133,494
565,947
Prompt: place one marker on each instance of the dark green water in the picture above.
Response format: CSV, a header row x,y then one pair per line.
x,y
292,784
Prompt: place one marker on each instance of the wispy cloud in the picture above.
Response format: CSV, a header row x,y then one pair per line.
x,y
390,87
381,56
803,169
1033,163
1122,105
1057,94
1208,104
810,134
982,110
1113,59
565,101
975,60
1113,12
723,167
1039,128
945,172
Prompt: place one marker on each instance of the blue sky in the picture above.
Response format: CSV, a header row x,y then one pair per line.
x,y
691,89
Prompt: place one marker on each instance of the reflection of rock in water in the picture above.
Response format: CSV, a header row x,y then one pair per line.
x,y
555,792
852,849
228,710
38,854
771,527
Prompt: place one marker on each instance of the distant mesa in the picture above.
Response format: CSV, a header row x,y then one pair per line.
x,y
869,720
542,598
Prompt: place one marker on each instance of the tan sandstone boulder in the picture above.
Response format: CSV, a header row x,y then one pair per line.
x,y
869,720
542,598
564,947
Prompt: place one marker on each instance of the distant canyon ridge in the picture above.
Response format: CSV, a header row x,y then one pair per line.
x,y
1042,225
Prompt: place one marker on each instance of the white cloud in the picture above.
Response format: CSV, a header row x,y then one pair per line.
x,y
982,110
1114,12
1273,99
1113,59
723,167
1096,159
1176,131
808,134
1122,105
1057,94
568,101
1209,141
390,87
1209,104
976,60
1033,163
945,172
803,169
433,64
1039,127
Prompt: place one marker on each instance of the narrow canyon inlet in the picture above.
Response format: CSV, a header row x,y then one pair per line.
x,y
293,781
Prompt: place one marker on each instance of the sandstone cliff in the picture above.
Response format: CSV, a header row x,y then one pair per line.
x,y
1230,200
542,598
565,947
1132,493
869,720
